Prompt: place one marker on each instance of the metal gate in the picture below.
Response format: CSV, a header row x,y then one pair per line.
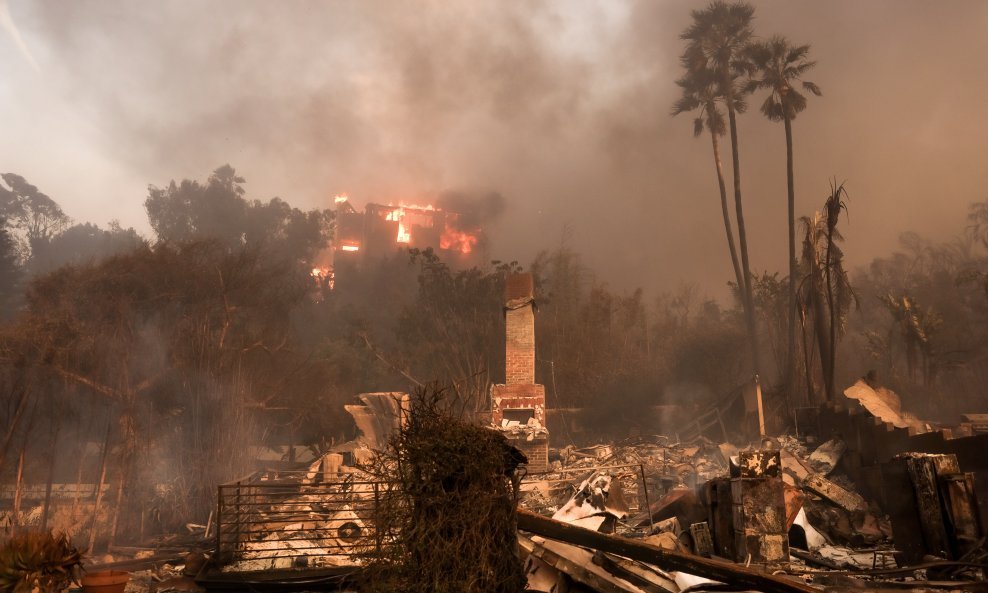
x,y
296,521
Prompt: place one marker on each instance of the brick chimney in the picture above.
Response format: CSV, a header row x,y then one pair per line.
x,y
518,406
519,346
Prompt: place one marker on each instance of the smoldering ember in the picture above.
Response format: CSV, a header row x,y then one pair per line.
x,y
490,338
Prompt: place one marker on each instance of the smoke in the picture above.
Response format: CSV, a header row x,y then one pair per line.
x,y
561,108
475,210
7,22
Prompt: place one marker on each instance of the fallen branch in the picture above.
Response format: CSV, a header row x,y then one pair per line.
x,y
387,362
717,570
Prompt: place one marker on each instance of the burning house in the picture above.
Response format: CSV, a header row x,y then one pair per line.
x,y
381,229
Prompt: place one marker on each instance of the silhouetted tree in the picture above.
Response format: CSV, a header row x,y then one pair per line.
x,y
700,90
778,67
196,336
10,270
218,211
34,217
454,329
917,328
826,292
716,41
83,243
923,323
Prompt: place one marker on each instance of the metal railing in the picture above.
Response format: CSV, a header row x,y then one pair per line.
x,y
297,521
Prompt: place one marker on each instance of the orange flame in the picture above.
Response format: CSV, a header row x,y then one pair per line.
x,y
452,238
398,215
457,241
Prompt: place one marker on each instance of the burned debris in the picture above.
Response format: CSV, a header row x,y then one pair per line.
x,y
421,389
432,497
644,514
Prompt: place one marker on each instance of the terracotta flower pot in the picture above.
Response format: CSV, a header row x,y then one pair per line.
x,y
105,581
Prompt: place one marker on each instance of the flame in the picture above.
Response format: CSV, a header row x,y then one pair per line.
x,y
324,277
340,198
398,215
452,238
457,241
414,206
349,247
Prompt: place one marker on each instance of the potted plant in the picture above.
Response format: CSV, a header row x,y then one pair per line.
x,y
105,581
38,560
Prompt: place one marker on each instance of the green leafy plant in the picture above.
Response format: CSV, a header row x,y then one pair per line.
x,y
37,560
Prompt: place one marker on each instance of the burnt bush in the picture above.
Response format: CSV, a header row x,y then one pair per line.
x,y
449,505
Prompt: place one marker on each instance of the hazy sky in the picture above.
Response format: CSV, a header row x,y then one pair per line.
x,y
562,107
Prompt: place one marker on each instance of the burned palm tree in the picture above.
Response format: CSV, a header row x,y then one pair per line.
x,y
826,292
836,276
778,68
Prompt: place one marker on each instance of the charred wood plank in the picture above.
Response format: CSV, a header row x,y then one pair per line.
x,y
664,559
923,473
581,570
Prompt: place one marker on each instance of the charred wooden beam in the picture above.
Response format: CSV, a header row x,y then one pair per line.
x,y
666,560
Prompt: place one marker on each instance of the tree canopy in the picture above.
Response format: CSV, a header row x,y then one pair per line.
x,y
218,211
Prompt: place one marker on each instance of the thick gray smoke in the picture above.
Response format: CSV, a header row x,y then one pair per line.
x,y
560,107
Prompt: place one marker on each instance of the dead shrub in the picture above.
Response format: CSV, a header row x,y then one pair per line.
x,y
449,505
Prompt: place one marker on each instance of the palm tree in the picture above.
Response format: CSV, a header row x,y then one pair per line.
x,y
826,291
717,41
778,66
836,276
812,299
700,92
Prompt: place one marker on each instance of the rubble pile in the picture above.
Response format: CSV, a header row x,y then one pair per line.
x,y
663,464
647,514
652,515
784,507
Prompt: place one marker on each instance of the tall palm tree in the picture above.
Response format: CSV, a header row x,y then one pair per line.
x,y
778,68
701,92
717,41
